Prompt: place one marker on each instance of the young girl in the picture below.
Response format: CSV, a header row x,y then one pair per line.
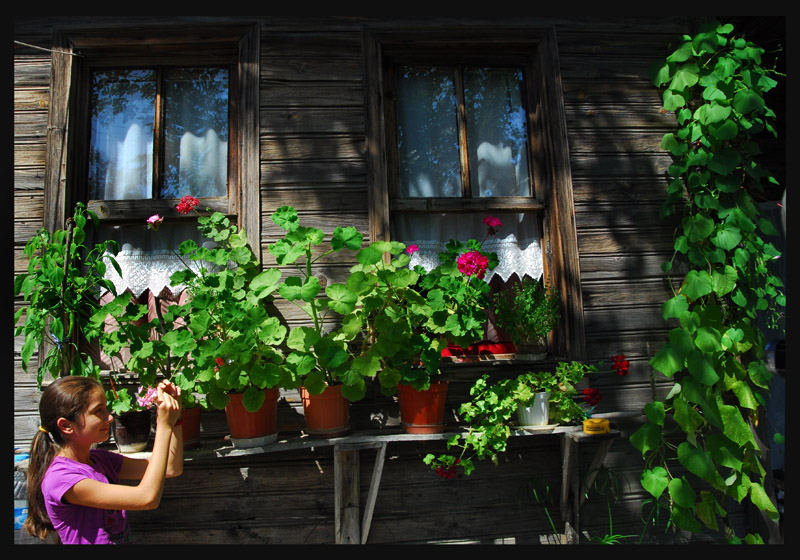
x,y
73,488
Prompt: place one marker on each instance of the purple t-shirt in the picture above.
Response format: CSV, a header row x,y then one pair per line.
x,y
80,524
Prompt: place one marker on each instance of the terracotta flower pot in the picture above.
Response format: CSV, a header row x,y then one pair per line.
x,y
191,427
328,413
422,412
132,430
253,429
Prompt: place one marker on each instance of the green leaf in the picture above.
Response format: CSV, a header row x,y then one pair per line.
x,y
747,100
701,368
302,338
734,426
681,54
683,519
286,218
294,288
724,281
696,284
668,360
727,237
725,130
180,342
646,438
681,492
761,500
698,462
252,399
655,481
342,300
347,237
672,100
708,340
698,227
675,307
655,412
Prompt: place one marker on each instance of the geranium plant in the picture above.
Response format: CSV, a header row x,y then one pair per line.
x,y
318,354
489,412
411,315
226,337
61,284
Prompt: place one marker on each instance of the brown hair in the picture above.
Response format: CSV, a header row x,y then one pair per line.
x,y
67,397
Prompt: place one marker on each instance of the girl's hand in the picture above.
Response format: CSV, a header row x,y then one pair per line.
x,y
169,408
171,389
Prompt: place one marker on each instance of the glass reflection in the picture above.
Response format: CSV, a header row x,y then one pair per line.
x,y
195,132
121,137
496,132
427,133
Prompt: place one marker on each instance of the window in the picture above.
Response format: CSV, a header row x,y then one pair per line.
x,y
140,118
466,125
148,118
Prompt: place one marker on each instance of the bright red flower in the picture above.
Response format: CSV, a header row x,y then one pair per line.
x,y
472,262
591,396
187,204
620,364
492,223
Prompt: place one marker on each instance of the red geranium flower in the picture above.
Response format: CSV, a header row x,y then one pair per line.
x,y
187,204
492,223
591,396
620,364
471,263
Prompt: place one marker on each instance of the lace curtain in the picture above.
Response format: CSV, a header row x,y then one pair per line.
x,y
517,242
146,257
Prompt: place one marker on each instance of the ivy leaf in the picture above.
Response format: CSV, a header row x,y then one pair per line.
x,y
724,281
725,130
646,438
747,100
681,492
734,426
655,481
655,412
759,374
701,368
698,227
681,54
672,100
708,340
675,307
683,519
670,143
724,161
698,462
685,77
667,360
696,284
761,500
727,237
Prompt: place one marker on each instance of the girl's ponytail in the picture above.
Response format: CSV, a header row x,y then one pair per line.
x,y
43,449
67,397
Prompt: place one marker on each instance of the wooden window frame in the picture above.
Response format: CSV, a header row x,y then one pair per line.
x,y
551,179
75,53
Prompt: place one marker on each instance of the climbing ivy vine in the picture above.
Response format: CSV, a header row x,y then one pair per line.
x,y
699,442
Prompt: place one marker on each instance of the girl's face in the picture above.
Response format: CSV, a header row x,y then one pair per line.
x,y
95,421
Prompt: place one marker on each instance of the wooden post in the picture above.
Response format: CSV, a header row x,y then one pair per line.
x,y
346,494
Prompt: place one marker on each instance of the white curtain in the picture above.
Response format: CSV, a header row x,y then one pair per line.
x,y
146,257
517,242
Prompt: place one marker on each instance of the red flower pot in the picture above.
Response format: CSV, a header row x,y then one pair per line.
x,y
328,413
253,429
191,427
422,412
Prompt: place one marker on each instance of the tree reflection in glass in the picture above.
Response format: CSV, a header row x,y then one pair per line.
x,y
121,137
427,133
195,133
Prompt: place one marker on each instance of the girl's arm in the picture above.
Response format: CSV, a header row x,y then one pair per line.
x,y
146,494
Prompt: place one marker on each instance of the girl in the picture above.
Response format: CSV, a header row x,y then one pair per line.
x,y
73,488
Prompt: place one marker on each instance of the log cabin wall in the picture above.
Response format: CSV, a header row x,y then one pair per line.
x,y
312,133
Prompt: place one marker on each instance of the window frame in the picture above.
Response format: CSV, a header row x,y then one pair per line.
x,y
77,52
551,199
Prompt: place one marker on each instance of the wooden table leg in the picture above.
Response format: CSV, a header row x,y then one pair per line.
x,y
346,495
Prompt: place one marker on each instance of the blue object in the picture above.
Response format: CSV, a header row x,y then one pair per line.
x,y
20,515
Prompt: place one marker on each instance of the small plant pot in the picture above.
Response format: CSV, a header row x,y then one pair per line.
x,y
253,429
191,427
422,412
132,430
328,413
538,413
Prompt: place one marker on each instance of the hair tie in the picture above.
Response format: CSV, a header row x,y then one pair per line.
x,y
49,435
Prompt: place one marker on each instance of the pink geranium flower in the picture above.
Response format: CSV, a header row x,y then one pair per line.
x,y
472,262
492,223
154,221
147,399
411,249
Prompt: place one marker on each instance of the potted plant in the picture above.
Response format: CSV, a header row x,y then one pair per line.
x,y
237,360
493,407
411,316
133,416
319,353
61,287
528,312
150,347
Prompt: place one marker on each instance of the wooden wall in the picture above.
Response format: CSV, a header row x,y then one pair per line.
x,y
312,156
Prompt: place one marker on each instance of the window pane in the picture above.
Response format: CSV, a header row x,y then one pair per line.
x,y
121,137
496,132
427,133
196,132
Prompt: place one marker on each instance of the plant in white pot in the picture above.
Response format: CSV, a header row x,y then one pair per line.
x,y
528,312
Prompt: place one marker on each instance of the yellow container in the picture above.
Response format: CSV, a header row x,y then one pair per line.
x,y
596,426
